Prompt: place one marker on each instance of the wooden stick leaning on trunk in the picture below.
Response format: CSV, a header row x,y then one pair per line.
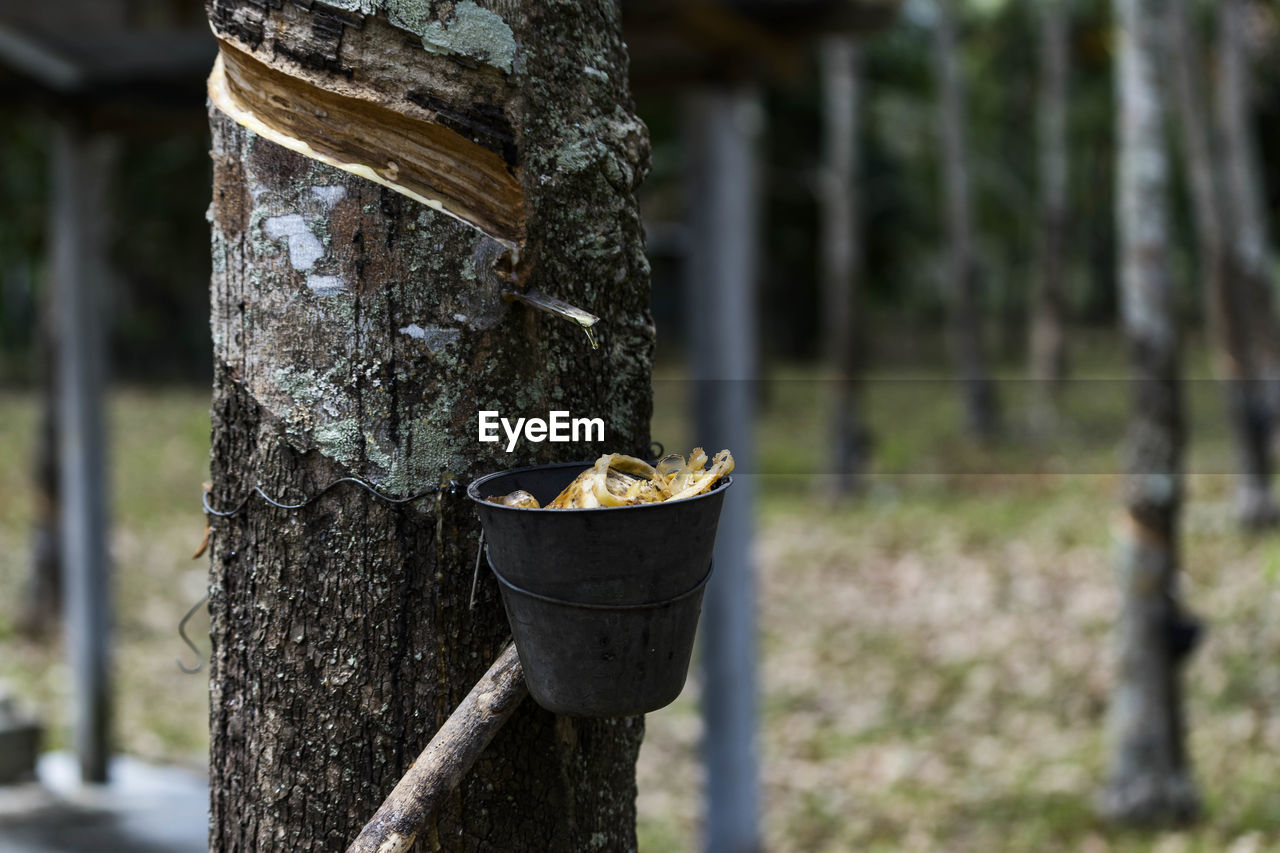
x,y
442,764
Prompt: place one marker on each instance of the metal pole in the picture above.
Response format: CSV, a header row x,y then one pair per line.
x,y
80,163
723,126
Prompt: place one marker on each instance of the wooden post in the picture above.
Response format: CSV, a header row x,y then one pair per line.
x,y
80,164
723,126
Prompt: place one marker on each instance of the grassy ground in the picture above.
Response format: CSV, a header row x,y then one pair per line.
x,y
934,664
159,451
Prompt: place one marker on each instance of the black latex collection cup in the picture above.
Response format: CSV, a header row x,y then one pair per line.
x,y
603,602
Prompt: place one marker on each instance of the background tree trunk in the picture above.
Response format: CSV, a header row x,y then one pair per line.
x,y
1048,335
1242,194
1225,292
842,260
1149,780
964,274
357,332
44,590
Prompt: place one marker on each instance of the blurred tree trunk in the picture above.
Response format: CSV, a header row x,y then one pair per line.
x,y
842,260
356,333
1149,780
964,274
1048,335
1242,191
44,590
1225,291
1101,292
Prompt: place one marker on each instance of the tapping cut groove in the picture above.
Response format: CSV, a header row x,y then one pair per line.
x,y
423,160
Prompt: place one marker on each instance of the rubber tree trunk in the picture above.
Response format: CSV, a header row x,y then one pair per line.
x,y
357,332
1149,780
842,261
1243,193
1048,332
964,274
1225,289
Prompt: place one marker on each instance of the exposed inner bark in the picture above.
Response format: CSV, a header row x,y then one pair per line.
x,y
423,159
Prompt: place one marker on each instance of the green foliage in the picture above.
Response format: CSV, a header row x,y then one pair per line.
x,y
160,256
24,164
901,231
157,300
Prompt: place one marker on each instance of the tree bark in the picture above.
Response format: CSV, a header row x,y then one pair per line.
x,y
1242,195
1225,289
1048,335
842,261
357,331
1149,780
964,273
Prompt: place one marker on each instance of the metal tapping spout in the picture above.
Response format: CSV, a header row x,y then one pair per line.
x,y
559,308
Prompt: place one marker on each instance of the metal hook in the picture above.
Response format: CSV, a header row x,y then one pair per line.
x,y
475,576
182,632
